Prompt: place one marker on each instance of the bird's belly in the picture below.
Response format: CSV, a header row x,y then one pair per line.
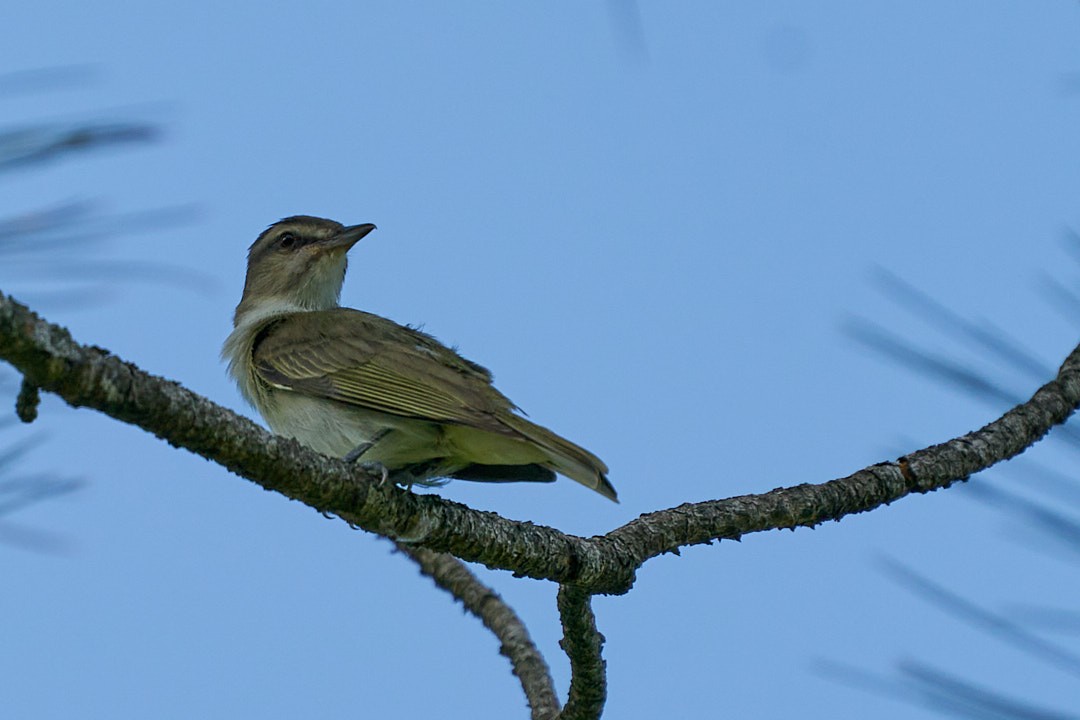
x,y
336,429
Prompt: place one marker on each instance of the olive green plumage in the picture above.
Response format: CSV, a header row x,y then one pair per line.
x,y
338,379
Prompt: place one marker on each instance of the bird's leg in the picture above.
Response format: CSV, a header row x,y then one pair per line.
x,y
357,452
376,466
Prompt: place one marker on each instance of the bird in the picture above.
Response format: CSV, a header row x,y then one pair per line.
x,y
358,386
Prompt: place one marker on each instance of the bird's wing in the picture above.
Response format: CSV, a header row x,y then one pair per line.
x,y
371,362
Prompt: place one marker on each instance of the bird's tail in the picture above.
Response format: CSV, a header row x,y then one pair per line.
x,y
573,461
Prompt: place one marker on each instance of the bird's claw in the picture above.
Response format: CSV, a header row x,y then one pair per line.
x,y
377,467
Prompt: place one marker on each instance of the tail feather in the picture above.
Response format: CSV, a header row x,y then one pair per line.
x,y
573,461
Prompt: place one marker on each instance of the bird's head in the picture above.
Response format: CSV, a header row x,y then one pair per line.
x,y
298,264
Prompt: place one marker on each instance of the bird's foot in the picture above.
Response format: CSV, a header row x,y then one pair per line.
x,y
404,477
376,467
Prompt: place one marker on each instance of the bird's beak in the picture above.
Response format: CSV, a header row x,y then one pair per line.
x,y
347,237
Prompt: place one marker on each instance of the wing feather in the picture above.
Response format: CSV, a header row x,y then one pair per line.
x,y
371,362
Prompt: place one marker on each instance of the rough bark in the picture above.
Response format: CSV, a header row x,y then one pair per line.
x,y
583,644
426,526
87,376
516,645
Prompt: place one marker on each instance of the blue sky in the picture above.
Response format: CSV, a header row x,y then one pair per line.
x,y
654,246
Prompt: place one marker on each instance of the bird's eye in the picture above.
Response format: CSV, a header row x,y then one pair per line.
x,y
287,241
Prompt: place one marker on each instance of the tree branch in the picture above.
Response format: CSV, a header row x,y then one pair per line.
x,y
932,468
527,663
91,377
583,644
